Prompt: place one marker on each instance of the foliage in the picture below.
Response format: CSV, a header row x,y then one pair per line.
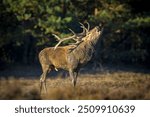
x,y
27,26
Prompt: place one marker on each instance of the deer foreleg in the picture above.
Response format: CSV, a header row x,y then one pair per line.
x,y
43,82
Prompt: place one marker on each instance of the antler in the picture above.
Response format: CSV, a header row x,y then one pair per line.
x,y
88,25
61,40
85,30
76,37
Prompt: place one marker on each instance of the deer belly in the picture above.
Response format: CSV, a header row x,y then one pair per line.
x,y
60,64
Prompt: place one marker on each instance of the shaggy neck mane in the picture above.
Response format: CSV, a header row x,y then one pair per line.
x,y
84,51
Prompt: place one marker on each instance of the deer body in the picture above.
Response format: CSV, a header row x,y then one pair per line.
x,y
69,58
54,58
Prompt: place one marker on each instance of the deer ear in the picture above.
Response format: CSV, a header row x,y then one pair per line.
x,y
101,26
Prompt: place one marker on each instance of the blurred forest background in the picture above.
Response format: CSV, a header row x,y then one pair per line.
x,y
26,27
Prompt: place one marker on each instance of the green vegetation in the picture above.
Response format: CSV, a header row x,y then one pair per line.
x,y
27,26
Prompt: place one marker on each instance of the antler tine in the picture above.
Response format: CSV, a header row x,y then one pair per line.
x,y
88,25
61,40
77,36
57,45
56,36
84,28
72,31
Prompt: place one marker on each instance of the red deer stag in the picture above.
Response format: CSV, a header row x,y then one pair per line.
x,y
71,57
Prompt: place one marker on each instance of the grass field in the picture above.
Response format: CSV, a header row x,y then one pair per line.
x,y
110,85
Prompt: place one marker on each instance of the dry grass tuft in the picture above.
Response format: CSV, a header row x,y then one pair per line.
x,y
14,89
117,85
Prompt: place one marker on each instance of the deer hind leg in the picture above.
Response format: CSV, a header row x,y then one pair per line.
x,y
73,75
43,78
